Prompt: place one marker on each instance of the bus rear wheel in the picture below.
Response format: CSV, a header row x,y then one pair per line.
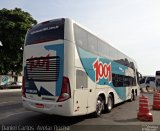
x,y
133,97
99,107
109,105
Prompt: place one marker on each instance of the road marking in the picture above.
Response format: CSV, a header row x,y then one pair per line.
x,y
9,102
14,114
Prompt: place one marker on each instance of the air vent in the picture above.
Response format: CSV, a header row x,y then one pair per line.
x,y
43,68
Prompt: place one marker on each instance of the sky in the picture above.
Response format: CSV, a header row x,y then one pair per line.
x,y
131,26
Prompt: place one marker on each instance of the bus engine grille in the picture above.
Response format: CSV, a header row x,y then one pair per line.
x,y
43,68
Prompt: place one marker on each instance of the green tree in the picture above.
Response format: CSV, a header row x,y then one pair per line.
x,y
13,27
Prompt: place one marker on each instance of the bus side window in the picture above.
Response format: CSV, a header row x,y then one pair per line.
x,y
80,37
81,79
92,44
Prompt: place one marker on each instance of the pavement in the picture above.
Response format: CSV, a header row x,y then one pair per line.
x,y
123,116
10,90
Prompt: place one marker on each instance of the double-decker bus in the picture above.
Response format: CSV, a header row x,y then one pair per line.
x,y
69,71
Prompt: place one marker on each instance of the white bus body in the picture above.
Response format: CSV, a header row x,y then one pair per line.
x,y
69,71
147,83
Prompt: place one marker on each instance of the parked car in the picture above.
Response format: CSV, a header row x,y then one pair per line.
x,y
11,85
4,86
147,82
15,85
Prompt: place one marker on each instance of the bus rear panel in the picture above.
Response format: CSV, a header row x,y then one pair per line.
x,y
45,87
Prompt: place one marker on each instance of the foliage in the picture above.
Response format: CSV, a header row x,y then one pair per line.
x,y
13,27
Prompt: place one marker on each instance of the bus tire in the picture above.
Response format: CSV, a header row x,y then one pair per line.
x,y
147,88
109,104
134,96
99,107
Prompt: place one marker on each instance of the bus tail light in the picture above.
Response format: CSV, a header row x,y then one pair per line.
x,y
65,90
23,92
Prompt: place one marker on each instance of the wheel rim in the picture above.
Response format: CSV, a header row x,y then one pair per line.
x,y
99,107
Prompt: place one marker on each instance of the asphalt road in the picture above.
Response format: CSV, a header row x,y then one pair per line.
x,y
123,117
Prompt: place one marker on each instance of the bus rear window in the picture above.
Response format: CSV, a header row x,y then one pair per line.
x,y
46,31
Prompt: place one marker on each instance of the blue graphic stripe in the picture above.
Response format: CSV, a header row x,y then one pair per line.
x,y
87,60
59,48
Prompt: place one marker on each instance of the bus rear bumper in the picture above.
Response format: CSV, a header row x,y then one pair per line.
x,y
52,108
